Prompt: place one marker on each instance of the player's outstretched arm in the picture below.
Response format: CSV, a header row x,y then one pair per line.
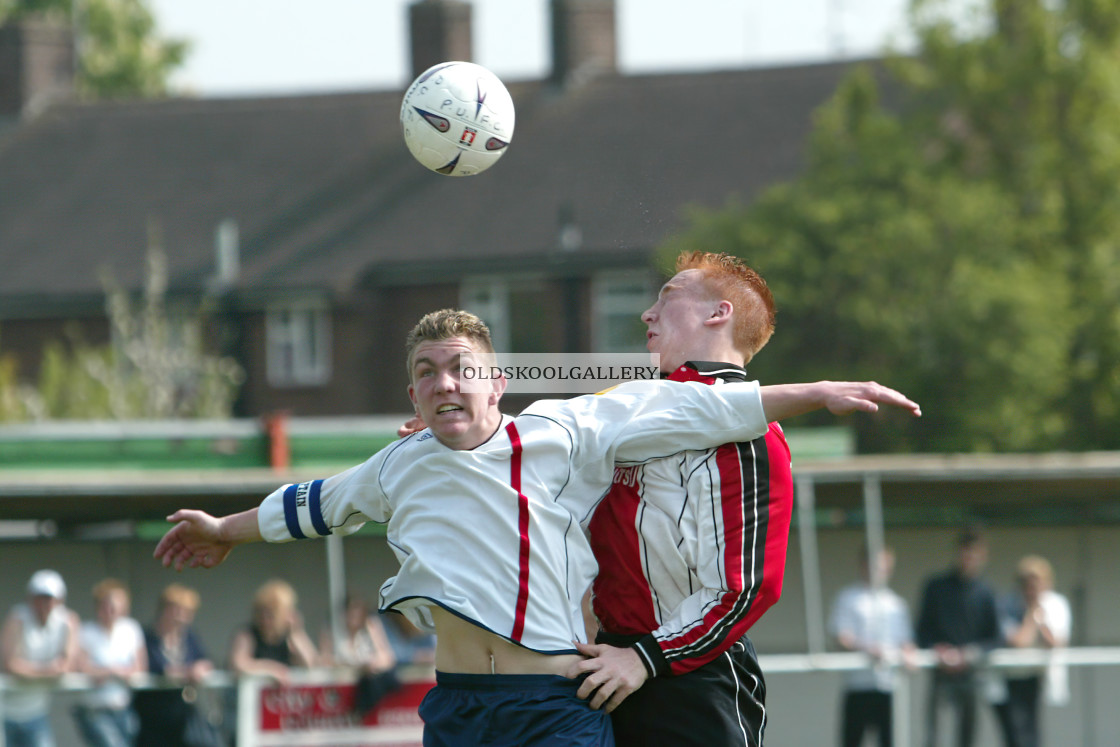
x,y
612,674
199,539
781,401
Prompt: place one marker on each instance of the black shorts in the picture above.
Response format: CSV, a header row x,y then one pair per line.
x,y
720,703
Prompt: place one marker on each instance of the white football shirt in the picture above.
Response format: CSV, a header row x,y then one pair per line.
x,y
492,534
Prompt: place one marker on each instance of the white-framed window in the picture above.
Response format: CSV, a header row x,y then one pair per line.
x,y
298,336
618,299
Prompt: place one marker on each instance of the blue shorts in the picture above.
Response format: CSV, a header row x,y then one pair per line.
x,y
511,710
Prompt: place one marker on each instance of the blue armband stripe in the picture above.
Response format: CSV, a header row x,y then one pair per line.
x,y
291,518
315,508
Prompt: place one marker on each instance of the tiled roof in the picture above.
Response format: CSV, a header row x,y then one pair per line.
x,y
324,191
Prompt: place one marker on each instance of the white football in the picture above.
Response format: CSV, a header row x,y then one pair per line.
x,y
457,118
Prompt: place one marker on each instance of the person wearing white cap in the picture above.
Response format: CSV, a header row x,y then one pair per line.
x,y
38,644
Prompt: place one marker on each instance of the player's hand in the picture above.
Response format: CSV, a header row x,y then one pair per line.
x,y
950,658
612,674
413,425
846,397
54,668
195,540
910,658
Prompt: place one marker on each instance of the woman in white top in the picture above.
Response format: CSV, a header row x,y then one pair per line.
x,y
365,645
365,648
110,650
1036,617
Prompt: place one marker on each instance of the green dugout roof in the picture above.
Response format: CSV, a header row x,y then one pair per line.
x,y
72,479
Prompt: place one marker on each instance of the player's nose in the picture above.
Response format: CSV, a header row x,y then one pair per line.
x,y
446,382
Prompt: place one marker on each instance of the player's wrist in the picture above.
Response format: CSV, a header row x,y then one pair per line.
x,y
651,656
237,529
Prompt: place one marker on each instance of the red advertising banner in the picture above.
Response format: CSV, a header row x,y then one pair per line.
x,y
304,707
323,713
400,708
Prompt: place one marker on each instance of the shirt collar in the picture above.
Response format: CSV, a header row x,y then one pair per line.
x,y
707,372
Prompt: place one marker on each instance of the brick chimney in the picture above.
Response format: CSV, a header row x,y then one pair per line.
x,y
440,31
36,66
583,39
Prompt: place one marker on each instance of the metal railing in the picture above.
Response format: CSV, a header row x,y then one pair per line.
x,y
772,664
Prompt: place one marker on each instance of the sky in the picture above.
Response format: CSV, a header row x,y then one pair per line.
x,y
273,47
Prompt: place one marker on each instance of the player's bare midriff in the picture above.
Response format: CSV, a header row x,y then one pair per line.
x,y
465,648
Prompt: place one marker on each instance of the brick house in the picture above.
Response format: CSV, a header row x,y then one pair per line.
x,y
319,240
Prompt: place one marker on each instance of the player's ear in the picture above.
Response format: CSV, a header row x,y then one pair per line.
x,y
721,314
412,396
500,384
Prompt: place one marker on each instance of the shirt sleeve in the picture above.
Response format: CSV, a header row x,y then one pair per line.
x,y
339,504
925,632
136,633
1058,616
905,632
195,651
991,633
840,619
740,501
644,420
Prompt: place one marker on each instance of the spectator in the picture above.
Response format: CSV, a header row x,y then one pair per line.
x,y
110,650
39,643
1034,617
275,640
366,646
870,618
171,717
410,644
366,649
958,620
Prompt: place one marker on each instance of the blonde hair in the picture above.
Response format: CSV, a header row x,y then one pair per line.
x,y
730,278
443,325
275,595
179,595
1036,565
104,588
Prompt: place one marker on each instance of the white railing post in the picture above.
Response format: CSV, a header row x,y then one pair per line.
x,y
336,588
810,564
248,710
873,527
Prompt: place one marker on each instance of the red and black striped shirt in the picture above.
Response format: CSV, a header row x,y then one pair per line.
x,y
692,548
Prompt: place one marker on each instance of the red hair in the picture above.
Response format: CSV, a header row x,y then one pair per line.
x,y
729,278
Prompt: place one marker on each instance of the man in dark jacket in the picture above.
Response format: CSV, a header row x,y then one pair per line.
x,y
958,620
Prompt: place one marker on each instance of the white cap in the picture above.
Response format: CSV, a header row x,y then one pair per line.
x,y
46,583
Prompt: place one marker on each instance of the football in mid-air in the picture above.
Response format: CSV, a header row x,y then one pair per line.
x,y
457,118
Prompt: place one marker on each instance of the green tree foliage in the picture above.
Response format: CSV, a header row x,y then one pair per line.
x,y
157,366
956,232
120,54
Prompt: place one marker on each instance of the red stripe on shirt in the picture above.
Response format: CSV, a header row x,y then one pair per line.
x,y
779,514
523,530
623,600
